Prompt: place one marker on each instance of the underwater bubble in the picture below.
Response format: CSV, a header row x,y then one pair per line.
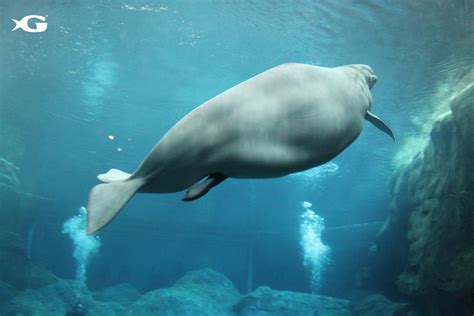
x,y
316,254
312,177
84,245
111,137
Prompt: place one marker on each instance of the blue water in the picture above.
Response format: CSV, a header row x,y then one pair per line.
x,y
131,69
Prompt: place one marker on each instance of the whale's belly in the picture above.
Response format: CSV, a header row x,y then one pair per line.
x,y
292,146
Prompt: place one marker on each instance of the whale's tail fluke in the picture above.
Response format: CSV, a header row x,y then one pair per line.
x,y
107,199
114,175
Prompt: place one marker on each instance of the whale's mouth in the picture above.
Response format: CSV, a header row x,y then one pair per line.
x,y
371,80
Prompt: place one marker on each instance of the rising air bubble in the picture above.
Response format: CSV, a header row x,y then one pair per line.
x,y
316,255
84,245
313,177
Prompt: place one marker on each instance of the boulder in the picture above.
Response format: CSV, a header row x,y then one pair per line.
x,y
122,293
58,299
378,305
16,269
201,292
265,301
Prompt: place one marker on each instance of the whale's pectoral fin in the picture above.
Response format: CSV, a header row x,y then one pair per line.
x,y
374,119
107,199
200,189
113,175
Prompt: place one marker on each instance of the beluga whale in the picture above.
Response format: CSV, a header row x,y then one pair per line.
x,y
287,119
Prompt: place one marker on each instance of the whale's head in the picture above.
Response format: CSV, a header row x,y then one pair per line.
x,y
367,73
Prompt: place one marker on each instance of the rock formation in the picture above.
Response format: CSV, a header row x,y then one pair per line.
x,y
200,292
265,301
17,272
428,239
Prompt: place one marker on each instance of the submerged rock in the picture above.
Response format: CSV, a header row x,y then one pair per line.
x,y
17,272
123,293
431,223
201,292
265,301
58,299
16,269
378,305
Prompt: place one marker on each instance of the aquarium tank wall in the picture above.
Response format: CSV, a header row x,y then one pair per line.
x,y
299,202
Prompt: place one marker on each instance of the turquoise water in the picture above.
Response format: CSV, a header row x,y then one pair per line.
x,y
108,78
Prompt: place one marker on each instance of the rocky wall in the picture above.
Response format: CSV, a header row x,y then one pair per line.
x,y
427,243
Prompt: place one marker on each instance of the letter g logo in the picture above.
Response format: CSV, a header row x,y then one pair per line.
x,y
23,24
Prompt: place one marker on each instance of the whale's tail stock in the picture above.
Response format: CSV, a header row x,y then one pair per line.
x,y
107,199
